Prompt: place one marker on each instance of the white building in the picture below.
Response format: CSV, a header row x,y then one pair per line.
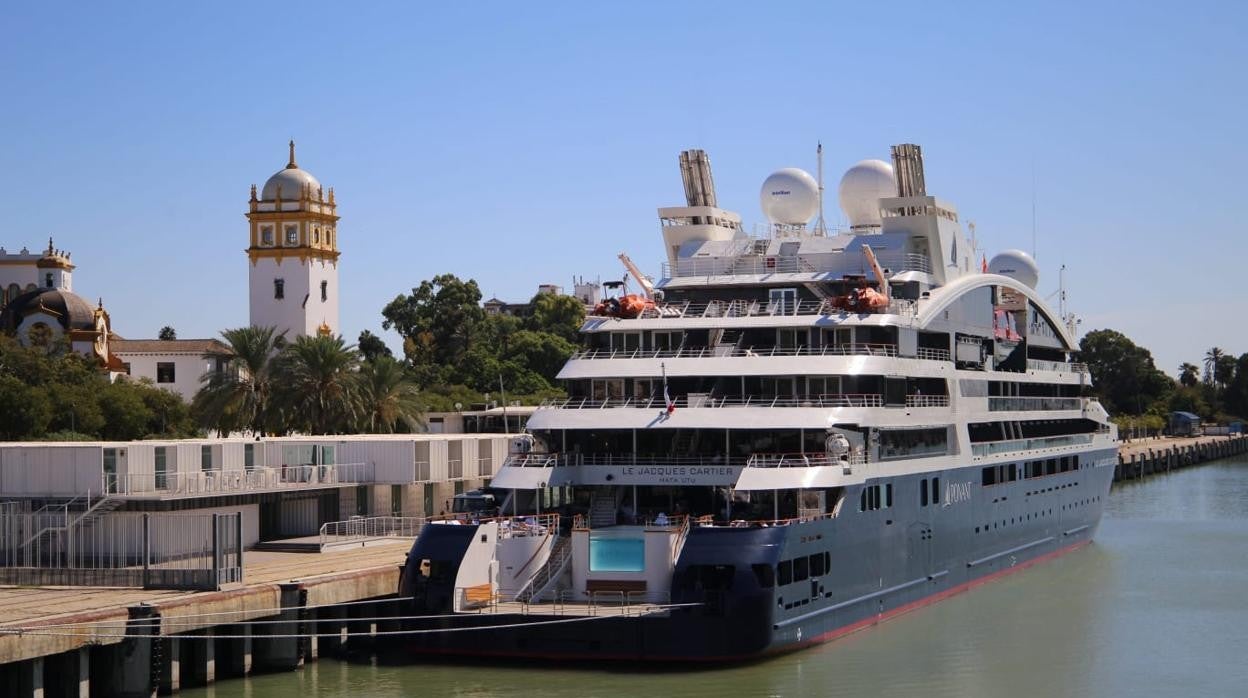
x,y
293,254
173,364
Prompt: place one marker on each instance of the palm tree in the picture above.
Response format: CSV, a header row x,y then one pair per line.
x,y
318,384
1212,357
387,397
240,397
1189,374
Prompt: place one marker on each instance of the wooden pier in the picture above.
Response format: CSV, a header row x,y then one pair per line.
x,y
1139,459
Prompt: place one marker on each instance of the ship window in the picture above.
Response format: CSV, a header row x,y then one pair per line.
x,y
1052,466
712,577
1013,472
935,490
784,572
784,300
888,495
989,476
765,575
801,569
923,492
818,567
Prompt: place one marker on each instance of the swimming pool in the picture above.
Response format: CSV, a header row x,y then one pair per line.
x,y
608,553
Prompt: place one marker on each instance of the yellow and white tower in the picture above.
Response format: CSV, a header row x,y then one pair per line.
x,y
294,254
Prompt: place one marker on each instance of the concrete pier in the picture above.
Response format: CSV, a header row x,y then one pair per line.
x,y
135,642
1141,459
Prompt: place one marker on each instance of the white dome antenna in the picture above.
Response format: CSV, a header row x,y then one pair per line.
x,y
790,197
861,189
1017,265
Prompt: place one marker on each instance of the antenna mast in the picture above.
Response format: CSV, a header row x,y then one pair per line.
x,y
820,227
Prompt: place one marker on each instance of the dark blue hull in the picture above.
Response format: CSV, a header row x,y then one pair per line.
x,y
757,591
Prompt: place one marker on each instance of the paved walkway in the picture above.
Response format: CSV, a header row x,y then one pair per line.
x,y
1163,443
19,604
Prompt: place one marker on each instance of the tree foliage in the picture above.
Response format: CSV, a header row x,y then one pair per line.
x,y
53,392
1123,374
167,334
448,339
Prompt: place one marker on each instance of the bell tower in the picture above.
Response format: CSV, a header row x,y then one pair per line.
x,y
293,255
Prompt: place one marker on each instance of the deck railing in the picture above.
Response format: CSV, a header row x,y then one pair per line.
x,y
1015,445
803,460
751,263
1010,404
686,402
858,349
197,482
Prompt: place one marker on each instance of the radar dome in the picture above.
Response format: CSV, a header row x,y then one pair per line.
x,y
790,197
1017,265
861,189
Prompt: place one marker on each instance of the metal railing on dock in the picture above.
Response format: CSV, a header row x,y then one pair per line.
x,y
361,530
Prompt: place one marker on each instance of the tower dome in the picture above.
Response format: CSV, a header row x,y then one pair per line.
x,y
862,187
291,181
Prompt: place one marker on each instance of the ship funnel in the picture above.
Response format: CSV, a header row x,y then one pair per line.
x,y
695,170
908,168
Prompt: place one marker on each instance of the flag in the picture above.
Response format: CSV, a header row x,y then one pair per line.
x,y
984,266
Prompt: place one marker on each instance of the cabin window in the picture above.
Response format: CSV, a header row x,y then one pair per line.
x,y
783,300
205,457
935,490
249,456
801,569
923,492
784,572
818,565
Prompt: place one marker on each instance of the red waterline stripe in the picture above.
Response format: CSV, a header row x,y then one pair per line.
x,y
819,639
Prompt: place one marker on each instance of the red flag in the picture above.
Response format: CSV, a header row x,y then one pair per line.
x,y
667,399
984,267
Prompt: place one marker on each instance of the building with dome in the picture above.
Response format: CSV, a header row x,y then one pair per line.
x,y
39,307
293,255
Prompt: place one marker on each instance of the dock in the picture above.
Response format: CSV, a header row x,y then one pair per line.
x,y
291,608
129,642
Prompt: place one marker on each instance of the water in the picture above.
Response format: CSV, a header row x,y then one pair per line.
x,y
609,553
1156,606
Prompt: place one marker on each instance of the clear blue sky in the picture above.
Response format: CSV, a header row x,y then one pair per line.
x,y
523,143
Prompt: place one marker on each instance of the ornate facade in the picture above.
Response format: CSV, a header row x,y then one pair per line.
x,y
293,254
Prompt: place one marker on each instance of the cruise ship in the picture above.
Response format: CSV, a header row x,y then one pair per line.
x,y
792,434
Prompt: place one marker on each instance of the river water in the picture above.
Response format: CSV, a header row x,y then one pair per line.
x,y
1156,606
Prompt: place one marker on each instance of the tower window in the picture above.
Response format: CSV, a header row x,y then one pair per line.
x,y
279,288
266,236
316,236
324,291
292,235
47,279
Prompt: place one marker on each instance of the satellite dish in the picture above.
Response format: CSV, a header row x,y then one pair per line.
x,y
862,187
790,197
1017,265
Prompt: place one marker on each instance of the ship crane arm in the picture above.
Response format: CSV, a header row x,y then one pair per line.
x,y
642,280
879,273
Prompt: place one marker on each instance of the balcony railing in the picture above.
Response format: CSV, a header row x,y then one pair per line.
x,y
559,460
857,349
927,401
1016,445
687,402
218,481
1010,404
1059,366
757,264
802,460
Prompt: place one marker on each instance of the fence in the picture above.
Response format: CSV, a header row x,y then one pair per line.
x,y
150,550
359,530
197,482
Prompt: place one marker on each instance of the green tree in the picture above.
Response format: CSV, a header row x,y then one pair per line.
x,y
167,333
1123,374
240,397
556,314
75,408
1189,374
388,399
126,416
437,321
1212,357
26,411
372,347
318,385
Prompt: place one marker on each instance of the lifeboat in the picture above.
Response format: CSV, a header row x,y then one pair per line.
x,y
628,306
